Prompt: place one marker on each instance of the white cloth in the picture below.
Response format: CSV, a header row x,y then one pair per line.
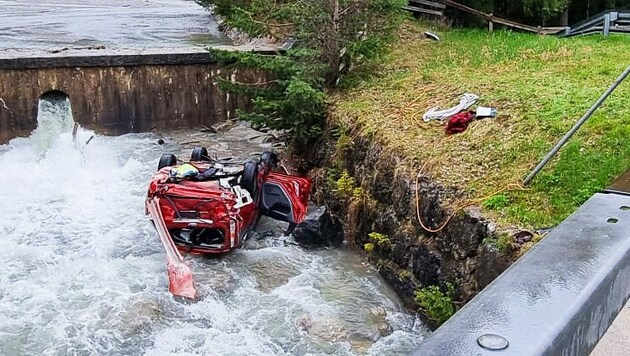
x,y
465,102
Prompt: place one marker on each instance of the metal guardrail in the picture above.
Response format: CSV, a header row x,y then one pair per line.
x,y
559,298
605,23
576,126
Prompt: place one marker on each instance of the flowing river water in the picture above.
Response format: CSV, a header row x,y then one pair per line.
x,y
83,272
55,25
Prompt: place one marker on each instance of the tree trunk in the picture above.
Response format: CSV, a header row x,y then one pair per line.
x,y
333,47
334,5
564,19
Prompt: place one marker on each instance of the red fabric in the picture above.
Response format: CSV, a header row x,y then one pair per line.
x,y
459,122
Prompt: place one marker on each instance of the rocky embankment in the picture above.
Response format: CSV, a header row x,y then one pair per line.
x,y
373,192
366,196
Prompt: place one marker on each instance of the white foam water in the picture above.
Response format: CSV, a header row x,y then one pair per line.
x,y
54,117
83,273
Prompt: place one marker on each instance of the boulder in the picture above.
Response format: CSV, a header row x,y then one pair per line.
x,y
319,229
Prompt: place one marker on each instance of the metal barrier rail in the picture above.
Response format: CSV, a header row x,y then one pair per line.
x,y
558,299
605,22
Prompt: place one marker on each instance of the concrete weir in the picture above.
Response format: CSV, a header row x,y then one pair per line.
x,y
559,298
119,91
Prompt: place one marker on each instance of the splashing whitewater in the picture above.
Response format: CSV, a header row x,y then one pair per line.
x,y
83,272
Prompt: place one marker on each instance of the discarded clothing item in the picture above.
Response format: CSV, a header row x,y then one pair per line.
x,y
205,175
183,171
483,111
522,237
459,122
464,103
431,35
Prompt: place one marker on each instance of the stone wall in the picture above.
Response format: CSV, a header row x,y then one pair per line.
x,y
412,258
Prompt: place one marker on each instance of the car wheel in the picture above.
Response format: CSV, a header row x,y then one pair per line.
x,y
249,180
270,159
167,160
199,154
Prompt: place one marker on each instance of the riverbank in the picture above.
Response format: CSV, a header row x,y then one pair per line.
x,y
432,210
539,85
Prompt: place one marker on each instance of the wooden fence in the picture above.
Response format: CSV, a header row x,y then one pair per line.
x,y
425,7
437,8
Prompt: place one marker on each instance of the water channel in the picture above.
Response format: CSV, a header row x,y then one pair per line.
x,y
83,272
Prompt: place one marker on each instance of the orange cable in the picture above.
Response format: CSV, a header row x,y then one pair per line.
x,y
511,186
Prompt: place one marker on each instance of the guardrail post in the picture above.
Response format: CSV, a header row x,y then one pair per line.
x,y
607,25
567,31
614,16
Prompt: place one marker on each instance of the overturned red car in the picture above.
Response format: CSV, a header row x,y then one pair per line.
x,y
210,206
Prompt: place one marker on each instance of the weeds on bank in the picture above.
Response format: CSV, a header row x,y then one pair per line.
x,y
380,239
540,86
503,243
436,304
346,187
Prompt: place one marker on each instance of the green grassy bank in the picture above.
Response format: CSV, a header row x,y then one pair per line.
x,y
540,86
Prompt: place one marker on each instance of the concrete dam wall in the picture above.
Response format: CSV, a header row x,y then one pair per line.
x,y
115,92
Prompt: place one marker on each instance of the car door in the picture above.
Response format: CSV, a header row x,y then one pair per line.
x,y
285,197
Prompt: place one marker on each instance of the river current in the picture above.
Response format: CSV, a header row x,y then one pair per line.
x,y
56,25
83,272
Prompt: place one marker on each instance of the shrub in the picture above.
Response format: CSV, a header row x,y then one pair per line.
x,y
436,304
379,239
294,100
503,243
345,186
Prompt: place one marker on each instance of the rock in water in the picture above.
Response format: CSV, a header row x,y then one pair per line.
x,y
319,229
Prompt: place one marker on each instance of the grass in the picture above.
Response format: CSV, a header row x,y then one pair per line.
x,y
540,86
503,243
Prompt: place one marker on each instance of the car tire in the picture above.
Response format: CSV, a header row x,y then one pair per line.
x,y
270,159
199,154
167,160
249,180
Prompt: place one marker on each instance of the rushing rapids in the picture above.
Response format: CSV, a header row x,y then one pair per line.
x,y
83,271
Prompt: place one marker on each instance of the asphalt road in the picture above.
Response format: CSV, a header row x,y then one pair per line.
x,y
616,341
